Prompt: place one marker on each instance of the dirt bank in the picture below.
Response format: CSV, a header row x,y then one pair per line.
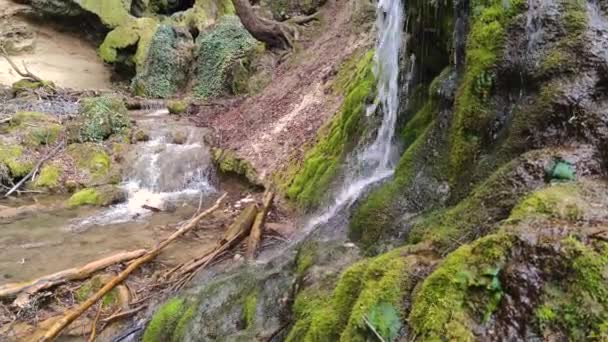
x,y
57,56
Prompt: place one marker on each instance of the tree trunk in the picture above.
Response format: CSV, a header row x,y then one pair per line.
x,y
272,33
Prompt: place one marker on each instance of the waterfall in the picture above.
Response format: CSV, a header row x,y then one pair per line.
x,y
375,162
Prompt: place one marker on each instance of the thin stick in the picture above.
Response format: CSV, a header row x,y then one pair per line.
x,y
26,74
123,314
371,327
94,324
258,226
72,315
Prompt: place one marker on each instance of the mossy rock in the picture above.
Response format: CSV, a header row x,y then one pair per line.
x,y
112,13
177,106
136,33
36,128
49,177
92,159
228,163
167,63
100,117
217,51
12,156
101,196
26,85
169,321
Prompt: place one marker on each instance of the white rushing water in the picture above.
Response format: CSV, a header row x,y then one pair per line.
x,y
375,162
161,171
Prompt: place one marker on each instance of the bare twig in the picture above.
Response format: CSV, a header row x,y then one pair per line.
x,y
35,169
94,324
27,74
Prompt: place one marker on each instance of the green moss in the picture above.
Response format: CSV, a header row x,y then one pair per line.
x,y
48,177
577,305
112,13
91,158
138,32
321,163
373,218
36,128
88,288
306,257
84,197
249,309
217,52
228,163
166,320
440,306
12,157
557,201
472,114
359,288
27,85
180,328
177,106
101,117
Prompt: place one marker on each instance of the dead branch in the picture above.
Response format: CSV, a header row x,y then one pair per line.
x,y
303,19
235,234
35,169
27,74
71,315
94,324
31,287
122,314
258,226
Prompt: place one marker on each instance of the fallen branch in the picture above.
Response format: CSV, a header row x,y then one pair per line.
x,y
94,325
29,288
27,74
258,226
35,169
151,208
235,234
122,314
72,315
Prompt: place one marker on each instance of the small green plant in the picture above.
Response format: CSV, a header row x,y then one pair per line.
x,y
383,319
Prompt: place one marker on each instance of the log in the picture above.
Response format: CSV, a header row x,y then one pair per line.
x,y
243,222
72,315
235,233
258,226
61,277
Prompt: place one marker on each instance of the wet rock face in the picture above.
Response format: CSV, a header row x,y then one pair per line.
x,y
16,37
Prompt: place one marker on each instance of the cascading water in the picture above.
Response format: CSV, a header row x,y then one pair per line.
x,y
172,165
376,161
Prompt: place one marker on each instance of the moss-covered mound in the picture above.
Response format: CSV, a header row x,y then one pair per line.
x,y
100,196
167,66
216,52
100,117
169,321
35,129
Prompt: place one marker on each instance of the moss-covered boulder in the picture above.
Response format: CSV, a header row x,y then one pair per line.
x,y
134,35
16,163
228,163
100,117
26,86
216,52
49,177
35,129
101,196
177,106
169,321
167,65
92,162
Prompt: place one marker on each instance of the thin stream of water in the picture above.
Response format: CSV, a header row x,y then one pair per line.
x,y
375,162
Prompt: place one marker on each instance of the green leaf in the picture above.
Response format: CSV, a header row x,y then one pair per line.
x,y
385,319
